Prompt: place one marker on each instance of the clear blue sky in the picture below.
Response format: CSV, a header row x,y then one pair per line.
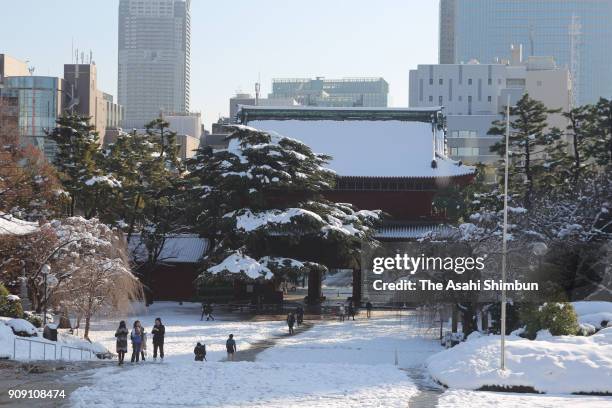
x,y
234,42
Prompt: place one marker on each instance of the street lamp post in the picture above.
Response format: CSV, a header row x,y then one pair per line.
x,y
505,243
46,269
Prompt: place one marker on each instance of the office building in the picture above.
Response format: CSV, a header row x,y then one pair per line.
x,y
473,95
41,101
154,59
576,33
247,99
345,92
185,123
10,66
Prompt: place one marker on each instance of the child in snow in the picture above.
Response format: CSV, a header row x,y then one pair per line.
x,y
200,352
143,344
230,345
121,335
136,338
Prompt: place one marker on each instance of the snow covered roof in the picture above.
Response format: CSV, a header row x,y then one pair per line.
x,y
10,225
411,231
180,248
365,142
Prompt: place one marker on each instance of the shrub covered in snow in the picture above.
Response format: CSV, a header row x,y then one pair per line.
x,y
33,318
558,318
22,327
10,305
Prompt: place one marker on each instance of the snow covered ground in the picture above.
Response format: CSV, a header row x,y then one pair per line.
x,y
184,329
560,364
334,364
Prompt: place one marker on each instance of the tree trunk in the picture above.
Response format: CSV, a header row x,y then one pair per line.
x,y
455,319
357,287
314,287
86,334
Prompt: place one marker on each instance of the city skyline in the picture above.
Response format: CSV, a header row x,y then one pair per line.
x,y
223,62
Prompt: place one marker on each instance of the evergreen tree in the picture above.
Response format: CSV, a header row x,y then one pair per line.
x,y
260,204
580,129
600,147
529,140
79,163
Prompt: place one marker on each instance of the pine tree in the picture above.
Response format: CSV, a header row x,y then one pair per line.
x,y
529,140
79,162
600,147
260,204
580,129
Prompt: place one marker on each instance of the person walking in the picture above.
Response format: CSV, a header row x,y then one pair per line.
x,y
230,345
369,309
158,331
209,311
341,312
121,334
200,352
203,310
300,316
136,337
291,322
351,311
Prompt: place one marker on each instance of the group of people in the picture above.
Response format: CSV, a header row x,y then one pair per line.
x,y
138,338
295,317
230,346
345,313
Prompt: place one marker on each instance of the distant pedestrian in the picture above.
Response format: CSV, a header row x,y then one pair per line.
x,y
341,312
369,309
203,310
230,345
299,315
200,352
351,310
121,334
209,312
136,337
291,322
158,331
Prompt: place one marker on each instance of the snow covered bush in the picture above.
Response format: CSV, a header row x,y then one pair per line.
x,y
33,318
22,328
559,319
10,305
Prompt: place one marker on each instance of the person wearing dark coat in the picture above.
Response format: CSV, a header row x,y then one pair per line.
x,y
209,311
158,331
121,334
300,315
351,311
369,309
291,322
200,352
230,346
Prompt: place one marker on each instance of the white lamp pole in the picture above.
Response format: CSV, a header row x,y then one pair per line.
x,y
505,242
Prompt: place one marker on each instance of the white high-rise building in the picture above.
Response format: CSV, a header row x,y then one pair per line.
x,y
473,96
154,59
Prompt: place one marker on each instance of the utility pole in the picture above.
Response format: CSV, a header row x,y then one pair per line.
x,y
505,243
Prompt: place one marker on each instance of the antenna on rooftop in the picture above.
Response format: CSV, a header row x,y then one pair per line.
x,y
531,42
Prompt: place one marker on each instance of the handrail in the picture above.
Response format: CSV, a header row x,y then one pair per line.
x,y
55,345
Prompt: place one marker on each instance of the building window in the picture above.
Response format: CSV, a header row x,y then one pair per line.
x,y
460,98
470,99
463,134
490,81
489,98
464,151
440,81
430,81
430,98
469,81
440,102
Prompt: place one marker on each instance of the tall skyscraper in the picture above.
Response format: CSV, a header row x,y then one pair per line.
x,y
154,58
576,33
